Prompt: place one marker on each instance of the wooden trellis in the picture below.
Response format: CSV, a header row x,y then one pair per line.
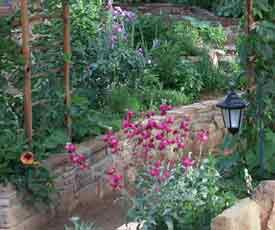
x,y
27,68
25,22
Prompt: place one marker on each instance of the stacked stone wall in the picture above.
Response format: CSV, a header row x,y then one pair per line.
x,y
76,187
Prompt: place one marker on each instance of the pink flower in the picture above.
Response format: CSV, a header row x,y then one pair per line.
x,y
111,171
151,145
164,108
71,148
163,145
171,141
151,124
155,172
165,127
116,181
187,162
130,115
166,174
150,114
180,143
126,124
160,136
157,164
184,125
112,142
170,120
79,160
203,136
146,134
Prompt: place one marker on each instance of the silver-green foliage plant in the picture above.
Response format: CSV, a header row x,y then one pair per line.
x,y
79,225
188,200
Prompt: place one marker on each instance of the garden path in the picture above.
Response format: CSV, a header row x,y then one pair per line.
x,y
105,213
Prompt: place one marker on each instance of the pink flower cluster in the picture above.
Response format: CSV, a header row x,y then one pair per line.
x,y
203,136
77,159
164,109
159,171
112,142
187,162
151,139
115,179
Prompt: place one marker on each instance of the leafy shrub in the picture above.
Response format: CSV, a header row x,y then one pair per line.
x,y
152,98
230,8
188,200
78,225
121,99
150,27
201,31
169,192
207,4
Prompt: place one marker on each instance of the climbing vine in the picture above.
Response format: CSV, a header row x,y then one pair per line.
x,y
29,175
257,52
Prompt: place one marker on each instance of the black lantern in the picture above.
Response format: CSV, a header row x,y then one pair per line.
x,y
233,111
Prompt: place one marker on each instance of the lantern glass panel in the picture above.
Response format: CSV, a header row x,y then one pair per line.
x,y
225,114
235,117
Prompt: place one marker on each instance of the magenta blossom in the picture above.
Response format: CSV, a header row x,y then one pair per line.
x,y
155,172
79,160
165,175
151,124
203,136
115,179
71,148
160,136
129,115
184,125
150,114
164,108
163,144
170,120
187,162
112,142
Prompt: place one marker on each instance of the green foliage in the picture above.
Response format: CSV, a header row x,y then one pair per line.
x,y
260,45
230,8
79,225
107,78
121,99
207,4
188,200
202,31
148,28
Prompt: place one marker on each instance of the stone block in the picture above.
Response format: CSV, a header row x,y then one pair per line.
x,y
219,121
245,215
264,195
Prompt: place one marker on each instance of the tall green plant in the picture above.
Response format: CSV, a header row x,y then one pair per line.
x,y
258,48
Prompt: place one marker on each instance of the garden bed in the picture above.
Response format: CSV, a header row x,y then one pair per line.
x,y
77,188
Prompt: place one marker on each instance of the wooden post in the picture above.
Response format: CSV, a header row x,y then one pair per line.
x,y
27,70
67,54
250,18
250,61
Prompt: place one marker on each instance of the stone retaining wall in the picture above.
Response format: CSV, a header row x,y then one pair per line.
x,y
255,213
77,187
